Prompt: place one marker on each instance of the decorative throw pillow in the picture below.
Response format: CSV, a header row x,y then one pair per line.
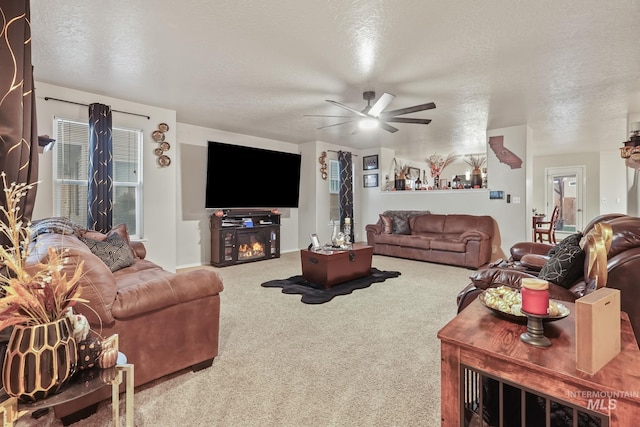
x,y
401,224
93,235
566,263
113,251
572,240
122,231
387,224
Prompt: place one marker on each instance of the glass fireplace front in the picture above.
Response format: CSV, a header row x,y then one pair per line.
x,y
251,244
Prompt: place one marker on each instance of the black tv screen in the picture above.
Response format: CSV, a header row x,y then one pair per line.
x,y
246,177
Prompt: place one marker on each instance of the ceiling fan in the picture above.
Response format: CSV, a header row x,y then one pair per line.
x,y
374,115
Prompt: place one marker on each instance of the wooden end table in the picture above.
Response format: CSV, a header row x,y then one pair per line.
x,y
479,340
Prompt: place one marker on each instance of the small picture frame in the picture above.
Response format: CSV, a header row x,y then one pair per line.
x,y
414,173
315,242
371,180
370,162
444,183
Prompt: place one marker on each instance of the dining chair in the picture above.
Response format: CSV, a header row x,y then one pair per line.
x,y
547,228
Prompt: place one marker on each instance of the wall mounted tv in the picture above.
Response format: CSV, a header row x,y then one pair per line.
x,y
246,177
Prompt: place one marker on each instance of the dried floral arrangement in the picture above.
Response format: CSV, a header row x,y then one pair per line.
x,y
36,294
400,169
476,161
437,163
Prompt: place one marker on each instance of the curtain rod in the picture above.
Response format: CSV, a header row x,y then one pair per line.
x,y
334,151
46,98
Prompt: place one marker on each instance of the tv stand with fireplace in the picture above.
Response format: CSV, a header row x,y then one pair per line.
x,y
243,235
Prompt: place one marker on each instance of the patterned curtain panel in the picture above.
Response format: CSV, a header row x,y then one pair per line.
x,y
346,189
18,125
100,212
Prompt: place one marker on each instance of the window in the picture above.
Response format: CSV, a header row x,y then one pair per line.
x,y
71,170
334,177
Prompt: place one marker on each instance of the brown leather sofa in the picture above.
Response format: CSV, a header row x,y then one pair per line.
x,y
623,269
461,240
165,322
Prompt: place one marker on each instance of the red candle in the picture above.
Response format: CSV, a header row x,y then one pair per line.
x,y
535,296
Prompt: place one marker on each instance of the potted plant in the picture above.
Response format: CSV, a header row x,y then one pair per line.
x,y
476,161
41,354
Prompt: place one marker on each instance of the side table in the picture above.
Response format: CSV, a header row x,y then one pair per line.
x,y
478,341
11,409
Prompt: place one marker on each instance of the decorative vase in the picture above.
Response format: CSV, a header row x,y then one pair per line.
x,y
40,359
476,178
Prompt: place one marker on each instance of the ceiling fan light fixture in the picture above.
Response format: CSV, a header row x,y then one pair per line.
x,y
368,123
376,115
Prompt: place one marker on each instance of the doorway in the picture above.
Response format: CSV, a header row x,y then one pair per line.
x,y
565,188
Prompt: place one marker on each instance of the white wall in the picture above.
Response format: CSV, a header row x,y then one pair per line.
x,y
159,183
613,192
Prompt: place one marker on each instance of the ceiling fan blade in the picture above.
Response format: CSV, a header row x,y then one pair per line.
x,y
408,110
382,103
387,127
346,108
335,124
407,120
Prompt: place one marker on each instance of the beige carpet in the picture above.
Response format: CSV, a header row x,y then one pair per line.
x,y
366,359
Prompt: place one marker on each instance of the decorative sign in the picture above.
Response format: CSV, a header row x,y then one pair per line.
x,y
503,154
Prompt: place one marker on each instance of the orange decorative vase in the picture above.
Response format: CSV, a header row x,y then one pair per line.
x,y
40,359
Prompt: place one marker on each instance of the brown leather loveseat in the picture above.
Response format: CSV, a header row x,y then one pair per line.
x,y
623,268
454,239
165,322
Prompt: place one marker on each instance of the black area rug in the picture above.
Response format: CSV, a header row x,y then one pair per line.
x,y
312,293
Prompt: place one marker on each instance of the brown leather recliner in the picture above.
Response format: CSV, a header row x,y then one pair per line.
x,y
623,269
165,321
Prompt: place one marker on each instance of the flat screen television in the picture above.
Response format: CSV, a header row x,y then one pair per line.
x,y
247,177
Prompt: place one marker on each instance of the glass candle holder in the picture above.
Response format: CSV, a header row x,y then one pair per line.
x,y
535,296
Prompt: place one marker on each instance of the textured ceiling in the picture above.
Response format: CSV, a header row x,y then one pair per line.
x,y
568,69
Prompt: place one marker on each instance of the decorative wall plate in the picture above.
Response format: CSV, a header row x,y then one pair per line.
x,y
157,136
164,161
165,146
163,127
158,151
